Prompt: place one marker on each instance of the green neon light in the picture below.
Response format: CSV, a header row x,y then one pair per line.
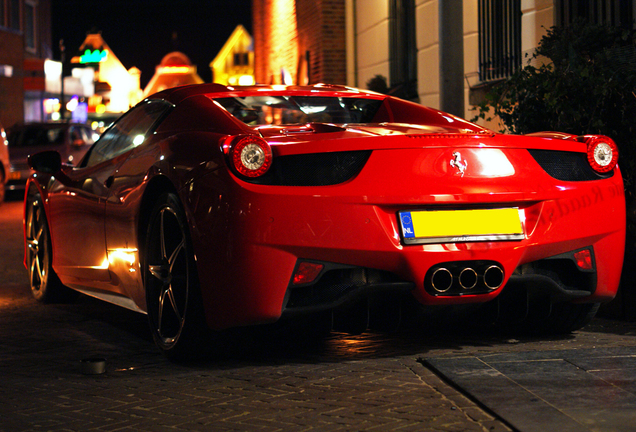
x,y
96,56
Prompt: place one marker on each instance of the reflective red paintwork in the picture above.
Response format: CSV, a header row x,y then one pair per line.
x,y
248,238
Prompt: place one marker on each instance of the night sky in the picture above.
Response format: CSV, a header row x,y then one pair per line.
x,y
141,32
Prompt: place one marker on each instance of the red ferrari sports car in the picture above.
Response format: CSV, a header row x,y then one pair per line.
x,y
211,207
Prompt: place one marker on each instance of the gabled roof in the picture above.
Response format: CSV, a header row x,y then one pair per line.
x,y
237,35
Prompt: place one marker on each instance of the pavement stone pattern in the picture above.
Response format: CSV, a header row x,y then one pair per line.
x,y
272,384
265,381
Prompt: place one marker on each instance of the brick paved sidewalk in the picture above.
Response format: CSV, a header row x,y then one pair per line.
x,y
307,387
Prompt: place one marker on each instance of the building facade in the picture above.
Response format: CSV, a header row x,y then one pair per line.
x,y
25,42
116,88
175,69
443,53
299,41
234,64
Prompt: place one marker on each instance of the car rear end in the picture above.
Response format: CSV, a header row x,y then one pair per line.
x,y
306,245
446,211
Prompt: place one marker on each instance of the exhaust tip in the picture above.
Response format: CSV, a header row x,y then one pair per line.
x,y
441,280
468,278
493,277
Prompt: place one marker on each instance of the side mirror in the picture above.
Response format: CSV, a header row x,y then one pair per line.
x,y
48,162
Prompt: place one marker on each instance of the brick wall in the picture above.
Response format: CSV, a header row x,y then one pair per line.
x,y
12,88
287,33
275,40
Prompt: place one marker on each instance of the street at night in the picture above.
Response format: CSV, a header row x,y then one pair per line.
x,y
275,379
335,215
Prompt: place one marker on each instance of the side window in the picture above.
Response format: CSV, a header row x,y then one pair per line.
x,y
128,132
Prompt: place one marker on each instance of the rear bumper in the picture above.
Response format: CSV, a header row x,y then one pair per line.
x,y
248,251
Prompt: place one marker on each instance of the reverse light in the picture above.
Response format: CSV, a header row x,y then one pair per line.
x,y
251,156
602,153
584,259
306,272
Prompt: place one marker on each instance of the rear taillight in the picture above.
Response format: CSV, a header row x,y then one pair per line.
x,y
306,272
583,259
602,153
250,155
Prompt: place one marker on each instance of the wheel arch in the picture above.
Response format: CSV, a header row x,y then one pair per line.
x,y
157,186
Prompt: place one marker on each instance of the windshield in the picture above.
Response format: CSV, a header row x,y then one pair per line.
x,y
298,110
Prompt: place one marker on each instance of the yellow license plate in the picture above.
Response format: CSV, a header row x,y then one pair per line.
x,y
451,226
14,175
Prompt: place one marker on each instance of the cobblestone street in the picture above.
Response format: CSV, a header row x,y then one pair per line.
x,y
274,378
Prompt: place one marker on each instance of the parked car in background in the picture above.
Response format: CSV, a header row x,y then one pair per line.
x,y
70,140
4,161
215,207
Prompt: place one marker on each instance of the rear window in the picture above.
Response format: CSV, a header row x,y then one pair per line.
x,y
298,110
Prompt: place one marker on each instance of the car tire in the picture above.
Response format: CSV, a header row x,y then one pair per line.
x,y
173,297
46,286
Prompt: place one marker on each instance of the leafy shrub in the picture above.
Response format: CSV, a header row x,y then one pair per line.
x,y
581,80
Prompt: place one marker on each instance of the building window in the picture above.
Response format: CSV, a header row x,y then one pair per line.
x,y
499,38
15,15
241,59
403,49
29,26
3,14
613,12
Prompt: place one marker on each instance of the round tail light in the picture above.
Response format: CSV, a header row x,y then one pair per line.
x,y
602,153
251,156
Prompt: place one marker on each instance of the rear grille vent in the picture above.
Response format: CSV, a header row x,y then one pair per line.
x,y
314,169
335,285
567,166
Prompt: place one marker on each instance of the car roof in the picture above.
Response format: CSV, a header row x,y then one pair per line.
x,y
178,94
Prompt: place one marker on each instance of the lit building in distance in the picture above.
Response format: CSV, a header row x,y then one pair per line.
x,y
116,88
234,64
174,70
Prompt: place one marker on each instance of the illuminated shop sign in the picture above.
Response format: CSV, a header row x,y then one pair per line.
x,y
96,56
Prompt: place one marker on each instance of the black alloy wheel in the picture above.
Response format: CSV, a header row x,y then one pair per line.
x,y
172,293
45,284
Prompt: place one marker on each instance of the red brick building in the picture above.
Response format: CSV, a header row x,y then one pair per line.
x,y
299,41
25,41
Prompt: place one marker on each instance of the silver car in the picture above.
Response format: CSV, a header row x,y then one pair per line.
x,y
71,140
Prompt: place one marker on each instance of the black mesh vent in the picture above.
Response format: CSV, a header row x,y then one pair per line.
x,y
566,166
314,169
336,284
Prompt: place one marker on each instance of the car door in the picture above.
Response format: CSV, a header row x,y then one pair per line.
x,y
77,207
123,202
76,220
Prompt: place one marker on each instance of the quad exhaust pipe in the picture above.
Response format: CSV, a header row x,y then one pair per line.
x,y
442,280
493,277
465,278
